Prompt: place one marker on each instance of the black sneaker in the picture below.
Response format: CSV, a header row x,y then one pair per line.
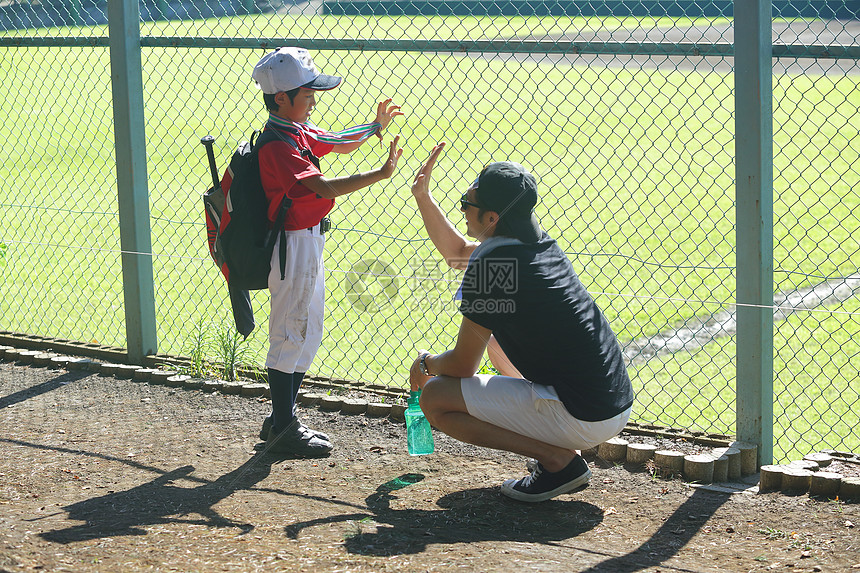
x,y
542,485
296,440
267,425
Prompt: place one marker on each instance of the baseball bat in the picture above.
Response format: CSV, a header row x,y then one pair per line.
x,y
208,141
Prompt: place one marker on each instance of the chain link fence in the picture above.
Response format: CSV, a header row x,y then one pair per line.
x,y
623,110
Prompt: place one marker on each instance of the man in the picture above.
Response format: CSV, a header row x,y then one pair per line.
x,y
290,166
563,385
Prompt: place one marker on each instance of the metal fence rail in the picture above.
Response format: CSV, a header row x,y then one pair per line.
x,y
627,117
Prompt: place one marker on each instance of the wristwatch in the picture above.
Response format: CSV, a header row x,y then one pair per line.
x,y
422,363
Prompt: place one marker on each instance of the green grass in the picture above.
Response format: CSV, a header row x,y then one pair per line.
x,y
635,167
815,373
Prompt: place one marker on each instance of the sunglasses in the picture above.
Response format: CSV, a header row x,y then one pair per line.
x,y
465,203
464,200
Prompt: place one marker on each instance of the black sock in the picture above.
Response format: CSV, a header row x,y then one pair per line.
x,y
283,398
297,383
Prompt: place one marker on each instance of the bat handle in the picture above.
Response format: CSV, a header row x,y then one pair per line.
x,y
208,141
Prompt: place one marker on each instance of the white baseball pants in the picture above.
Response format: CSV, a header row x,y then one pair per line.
x,y
297,302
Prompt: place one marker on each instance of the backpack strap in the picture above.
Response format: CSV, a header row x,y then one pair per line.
x,y
289,136
271,134
282,252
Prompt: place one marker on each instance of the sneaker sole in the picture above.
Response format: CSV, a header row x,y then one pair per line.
x,y
283,445
267,425
508,490
298,452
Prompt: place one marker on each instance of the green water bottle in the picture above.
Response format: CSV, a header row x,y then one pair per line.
x,y
419,437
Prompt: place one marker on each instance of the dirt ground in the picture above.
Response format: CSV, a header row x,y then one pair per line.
x,y
103,474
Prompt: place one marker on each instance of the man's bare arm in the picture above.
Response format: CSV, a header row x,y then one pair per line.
x,y
450,243
500,360
462,361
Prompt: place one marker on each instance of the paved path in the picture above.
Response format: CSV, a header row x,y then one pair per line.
x,y
799,32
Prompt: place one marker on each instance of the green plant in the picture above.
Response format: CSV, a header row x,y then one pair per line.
x,y
799,543
838,504
771,533
260,375
231,350
651,468
2,254
198,346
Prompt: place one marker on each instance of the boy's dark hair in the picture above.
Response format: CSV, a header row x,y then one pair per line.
x,y
269,99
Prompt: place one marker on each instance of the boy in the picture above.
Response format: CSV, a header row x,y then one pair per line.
x,y
290,166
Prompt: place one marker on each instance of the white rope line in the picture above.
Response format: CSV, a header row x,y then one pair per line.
x,y
734,304
789,308
104,250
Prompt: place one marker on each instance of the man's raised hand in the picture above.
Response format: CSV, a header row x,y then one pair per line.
x,y
421,185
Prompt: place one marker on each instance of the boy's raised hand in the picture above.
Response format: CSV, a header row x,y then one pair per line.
x,y
421,185
394,153
385,112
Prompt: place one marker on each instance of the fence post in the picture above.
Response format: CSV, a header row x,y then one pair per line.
x,y
133,194
754,223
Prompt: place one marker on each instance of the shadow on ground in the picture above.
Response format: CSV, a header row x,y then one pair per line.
x,y
39,389
465,516
484,515
160,501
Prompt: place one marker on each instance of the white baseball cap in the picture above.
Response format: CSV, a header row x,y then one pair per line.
x,y
286,69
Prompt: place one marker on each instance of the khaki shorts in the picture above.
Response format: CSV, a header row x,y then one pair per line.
x,y
535,411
